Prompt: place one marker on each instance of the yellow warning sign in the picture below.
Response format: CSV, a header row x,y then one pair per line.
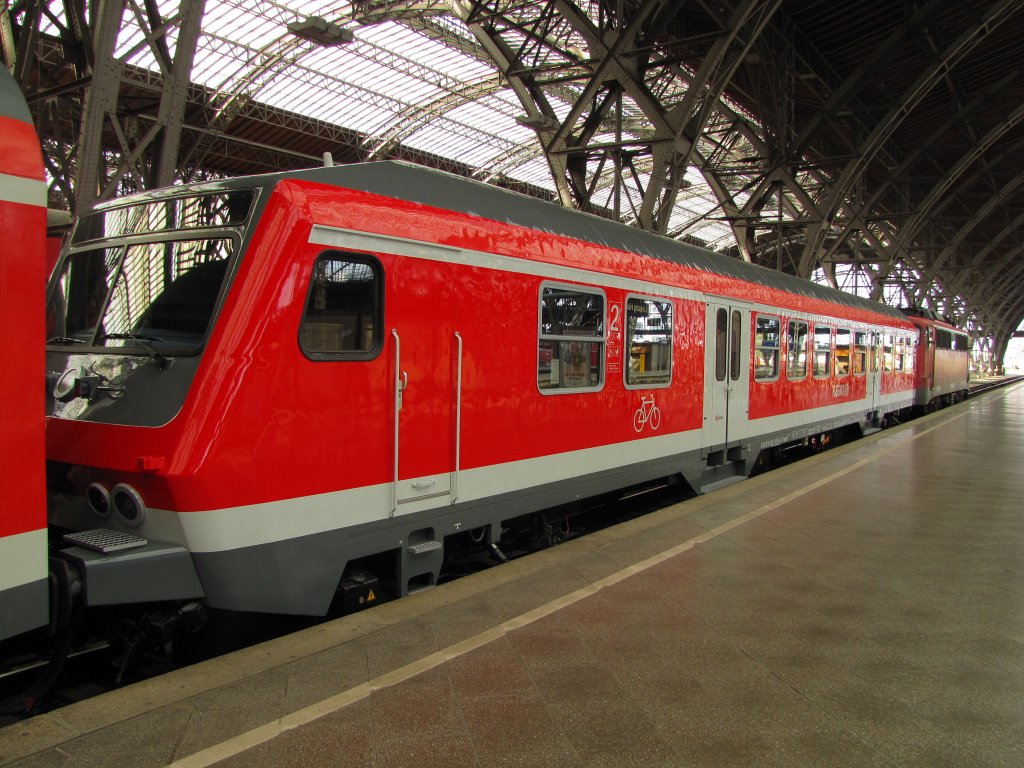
x,y
371,597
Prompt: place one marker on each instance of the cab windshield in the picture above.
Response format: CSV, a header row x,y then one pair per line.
x,y
155,296
146,278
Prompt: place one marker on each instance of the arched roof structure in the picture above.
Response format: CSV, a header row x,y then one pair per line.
x,y
872,145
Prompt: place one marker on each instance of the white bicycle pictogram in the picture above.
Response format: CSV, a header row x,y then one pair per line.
x,y
647,413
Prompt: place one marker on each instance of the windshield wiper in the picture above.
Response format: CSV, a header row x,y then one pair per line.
x,y
160,360
132,336
65,340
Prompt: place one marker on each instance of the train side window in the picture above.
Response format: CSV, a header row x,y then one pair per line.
x,y
900,354
822,351
887,353
766,348
570,349
649,343
721,342
911,354
943,339
843,351
736,325
342,319
796,350
860,353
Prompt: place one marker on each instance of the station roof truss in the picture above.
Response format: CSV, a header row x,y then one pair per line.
x,y
873,145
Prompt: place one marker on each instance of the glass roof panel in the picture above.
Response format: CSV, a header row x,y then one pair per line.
x,y
454,141
429,85
534,170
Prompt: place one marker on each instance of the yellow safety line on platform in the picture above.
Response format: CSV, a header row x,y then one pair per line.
x,y
306,715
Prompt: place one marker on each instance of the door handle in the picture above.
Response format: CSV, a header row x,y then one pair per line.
x,y
400,384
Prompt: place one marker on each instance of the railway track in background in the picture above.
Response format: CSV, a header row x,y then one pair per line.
x,y
990,385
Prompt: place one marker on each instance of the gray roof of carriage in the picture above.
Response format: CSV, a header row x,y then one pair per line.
x,y
427,186
12,103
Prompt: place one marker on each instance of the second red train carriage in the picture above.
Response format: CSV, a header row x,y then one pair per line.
x,y
24,589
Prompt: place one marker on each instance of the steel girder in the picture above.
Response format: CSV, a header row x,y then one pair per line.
x,y
849,213
87,40
608,62
883,130
894,188
149,157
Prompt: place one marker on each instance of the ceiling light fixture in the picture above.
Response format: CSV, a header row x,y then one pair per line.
x,y
321,31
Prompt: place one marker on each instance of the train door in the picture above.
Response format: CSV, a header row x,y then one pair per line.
x,y
424,384
874,371
925,364
726,379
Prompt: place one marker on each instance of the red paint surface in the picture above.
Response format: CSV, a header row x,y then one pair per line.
x,y
22,286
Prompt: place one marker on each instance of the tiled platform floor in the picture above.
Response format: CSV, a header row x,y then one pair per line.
x,y
861,608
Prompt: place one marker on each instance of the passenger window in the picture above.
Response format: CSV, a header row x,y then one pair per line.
x,y
734,345
721,342
860,353
900,349
796,348
766,348
887,353
822,351
343,309
908,361
571,339
649,349
843,352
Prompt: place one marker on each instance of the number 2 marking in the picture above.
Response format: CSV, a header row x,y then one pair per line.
x,y
615,319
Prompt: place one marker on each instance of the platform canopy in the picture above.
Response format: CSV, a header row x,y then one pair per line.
x,y
872,145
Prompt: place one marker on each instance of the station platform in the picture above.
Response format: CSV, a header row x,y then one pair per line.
x,y
863,607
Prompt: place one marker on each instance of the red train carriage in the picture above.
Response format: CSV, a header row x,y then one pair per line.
x,y
265,383
23,577
943,357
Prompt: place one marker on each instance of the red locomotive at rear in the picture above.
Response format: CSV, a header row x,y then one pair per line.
x,y
943,359
265,388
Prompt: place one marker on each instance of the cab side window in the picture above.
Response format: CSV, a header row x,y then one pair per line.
x,y
344,306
